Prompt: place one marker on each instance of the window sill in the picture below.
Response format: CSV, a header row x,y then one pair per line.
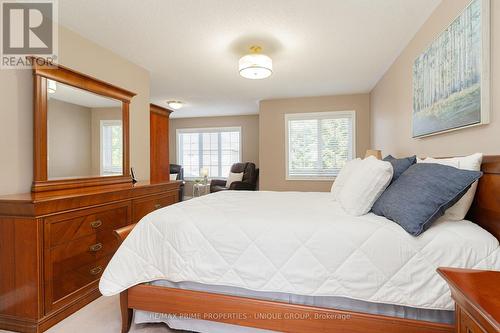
x,y
324,179
193,179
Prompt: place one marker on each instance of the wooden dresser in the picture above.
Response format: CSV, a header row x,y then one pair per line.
x,y
477,299
55,245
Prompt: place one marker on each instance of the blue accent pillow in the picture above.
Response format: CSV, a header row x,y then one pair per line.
x,y
422,194
399,165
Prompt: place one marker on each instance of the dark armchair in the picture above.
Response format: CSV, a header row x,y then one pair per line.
x,y
248,183
179,170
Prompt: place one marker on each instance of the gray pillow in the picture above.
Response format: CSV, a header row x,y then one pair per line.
x,y
399,165
422,194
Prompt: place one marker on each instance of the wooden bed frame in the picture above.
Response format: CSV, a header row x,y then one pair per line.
x,y
285,317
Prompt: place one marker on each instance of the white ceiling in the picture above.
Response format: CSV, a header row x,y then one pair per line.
x,y
192,47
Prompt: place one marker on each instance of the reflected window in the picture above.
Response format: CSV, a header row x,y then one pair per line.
x,y
111,147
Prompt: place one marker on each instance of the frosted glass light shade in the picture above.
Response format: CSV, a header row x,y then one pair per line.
x,y
375,153
256,66
176,105
204,172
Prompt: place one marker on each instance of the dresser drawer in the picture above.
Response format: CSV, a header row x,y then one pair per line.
x,y
64,228
70,255
467,324
143,206
80,278
77,247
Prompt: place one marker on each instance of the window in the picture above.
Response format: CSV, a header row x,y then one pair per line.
x,y
214,149
111,147
318,144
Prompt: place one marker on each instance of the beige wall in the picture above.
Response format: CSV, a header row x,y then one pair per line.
x,y
16,108
391,99
69,140
249,133
272,136
16,131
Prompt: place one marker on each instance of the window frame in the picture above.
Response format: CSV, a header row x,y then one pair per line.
x,y
313,116
201,130
102,124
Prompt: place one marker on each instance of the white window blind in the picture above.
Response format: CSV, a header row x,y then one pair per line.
x,y
111,147
318,144
215,149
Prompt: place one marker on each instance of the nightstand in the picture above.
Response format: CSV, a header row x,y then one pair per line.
x,y
477,299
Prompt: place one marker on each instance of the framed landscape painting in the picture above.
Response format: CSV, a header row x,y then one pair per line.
x,y
451,78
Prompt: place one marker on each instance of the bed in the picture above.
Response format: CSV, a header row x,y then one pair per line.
x,y
216,260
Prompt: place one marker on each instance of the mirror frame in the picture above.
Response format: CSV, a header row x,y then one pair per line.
x,y
43,71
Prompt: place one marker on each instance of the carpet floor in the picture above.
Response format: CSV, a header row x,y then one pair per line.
x,y
102,316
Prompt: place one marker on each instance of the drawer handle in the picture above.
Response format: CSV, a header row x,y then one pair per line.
x,y
96,224
95,247
96,270
157,206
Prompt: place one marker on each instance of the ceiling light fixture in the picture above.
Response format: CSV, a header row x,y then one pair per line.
x,y
51,86
255,66
176,105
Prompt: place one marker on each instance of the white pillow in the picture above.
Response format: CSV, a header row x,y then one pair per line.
x,y
173,176
234,177
365,185
445,161
472,162
342,177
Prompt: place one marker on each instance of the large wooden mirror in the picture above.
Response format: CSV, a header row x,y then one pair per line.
x,y
81,132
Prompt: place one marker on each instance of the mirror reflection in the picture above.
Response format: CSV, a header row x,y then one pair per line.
x,y
84,133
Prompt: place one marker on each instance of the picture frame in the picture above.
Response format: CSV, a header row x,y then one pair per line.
x,y
451,77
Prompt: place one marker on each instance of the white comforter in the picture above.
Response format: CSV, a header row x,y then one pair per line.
x,y
299,243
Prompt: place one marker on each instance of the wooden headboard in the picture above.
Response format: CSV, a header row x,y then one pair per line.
x,y
485,210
